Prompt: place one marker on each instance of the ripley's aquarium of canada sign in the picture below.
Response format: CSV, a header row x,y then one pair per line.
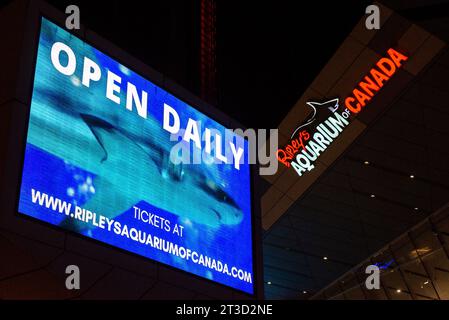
x,y
310,139
98,162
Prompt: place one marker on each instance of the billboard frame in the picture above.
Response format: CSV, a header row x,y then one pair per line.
x,y
17,136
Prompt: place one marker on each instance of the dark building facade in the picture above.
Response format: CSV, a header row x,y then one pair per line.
x,y
412,267
378,194
384,174
34,254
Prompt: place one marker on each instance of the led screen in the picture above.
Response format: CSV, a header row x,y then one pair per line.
x,y
113,157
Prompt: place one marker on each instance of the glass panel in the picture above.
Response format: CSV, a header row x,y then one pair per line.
x,y
425,239
414,267
403,251
384,260
418,297
393,280
396,294
438,266
376,294
441,282
420,285
355,293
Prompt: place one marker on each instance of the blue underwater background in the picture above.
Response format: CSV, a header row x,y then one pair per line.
x,y
58,138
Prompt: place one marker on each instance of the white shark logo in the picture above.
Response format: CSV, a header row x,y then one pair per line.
x,y
332,105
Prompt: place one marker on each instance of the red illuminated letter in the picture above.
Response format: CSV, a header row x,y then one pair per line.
x,y
397,57
387,66
379,77
348,105
361,97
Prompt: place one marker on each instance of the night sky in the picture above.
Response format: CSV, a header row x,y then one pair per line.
x,y
268,52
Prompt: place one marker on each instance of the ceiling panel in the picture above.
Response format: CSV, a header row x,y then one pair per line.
x,y
339,219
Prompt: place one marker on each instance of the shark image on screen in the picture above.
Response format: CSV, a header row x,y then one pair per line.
x,y
84,150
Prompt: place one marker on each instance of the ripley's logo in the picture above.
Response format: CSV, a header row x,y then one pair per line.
x,y
309,140
332,105
300,135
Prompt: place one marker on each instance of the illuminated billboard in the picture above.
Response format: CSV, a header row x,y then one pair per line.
x,y
113,157
328,119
